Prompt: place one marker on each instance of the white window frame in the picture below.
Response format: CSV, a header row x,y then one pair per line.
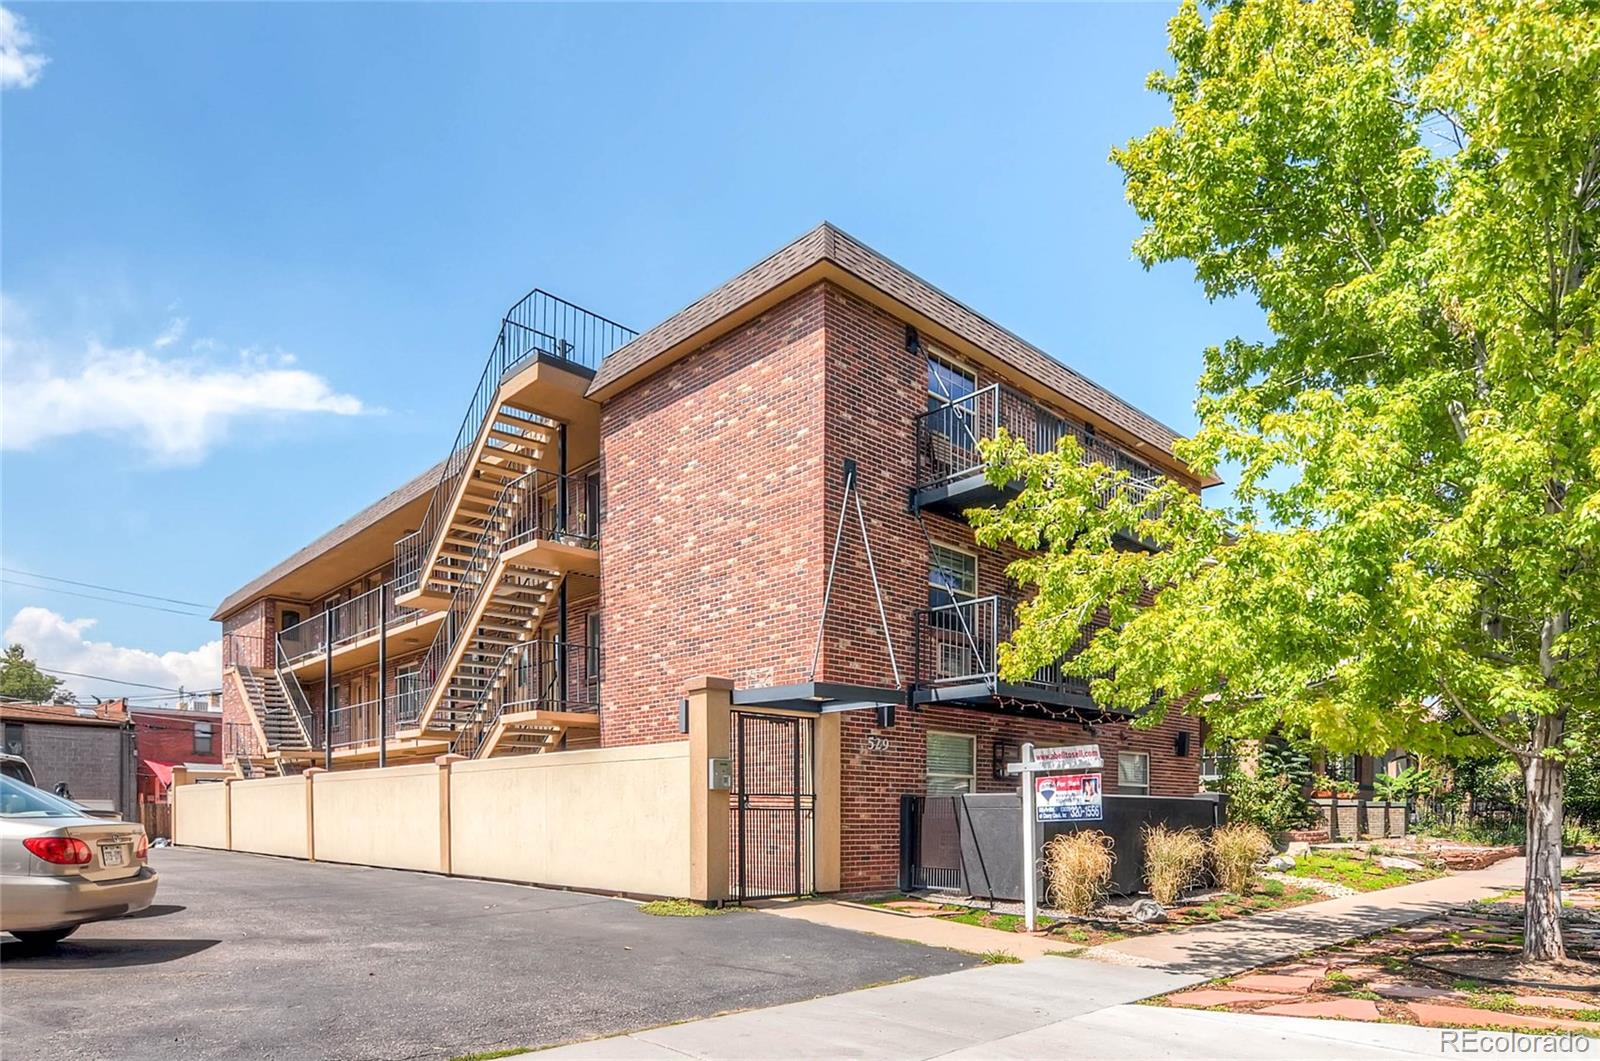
x,y
1125,789
969,374
933,564
970,778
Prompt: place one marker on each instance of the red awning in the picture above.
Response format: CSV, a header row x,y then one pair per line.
x,y
163,771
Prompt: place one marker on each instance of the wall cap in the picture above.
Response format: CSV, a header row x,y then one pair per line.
x,y
310,770
449,757
709,682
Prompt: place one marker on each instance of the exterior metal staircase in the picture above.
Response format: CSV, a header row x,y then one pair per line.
x,y
281,725
541,693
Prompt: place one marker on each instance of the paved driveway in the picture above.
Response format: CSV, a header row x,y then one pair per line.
x,y
251,957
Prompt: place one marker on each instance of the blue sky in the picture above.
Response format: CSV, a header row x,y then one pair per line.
x,y
254,256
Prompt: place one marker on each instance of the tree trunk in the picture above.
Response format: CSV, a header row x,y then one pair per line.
x,y
1546,784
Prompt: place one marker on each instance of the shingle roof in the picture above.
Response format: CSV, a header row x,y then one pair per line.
x,y
342,533
828,243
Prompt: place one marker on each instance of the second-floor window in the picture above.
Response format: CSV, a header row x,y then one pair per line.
x,y
952,576
204,735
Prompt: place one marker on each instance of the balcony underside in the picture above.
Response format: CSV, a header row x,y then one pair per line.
x,y
1042,701
954,496
819,697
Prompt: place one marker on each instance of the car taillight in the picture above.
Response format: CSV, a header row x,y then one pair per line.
x,y
141,850
61,850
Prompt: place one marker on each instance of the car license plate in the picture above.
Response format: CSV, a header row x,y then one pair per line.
x,y
112,855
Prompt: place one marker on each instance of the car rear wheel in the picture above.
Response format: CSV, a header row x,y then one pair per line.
x,y
44,938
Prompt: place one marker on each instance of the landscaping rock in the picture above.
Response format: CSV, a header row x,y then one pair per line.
x,y
1285,985
1280,863
1467,1017
1411,991
1206,997
1395,862
1147,912
1551,1002
1343,1008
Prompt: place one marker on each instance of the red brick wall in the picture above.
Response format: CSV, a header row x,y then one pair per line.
x,y
712,536
168,737
875,389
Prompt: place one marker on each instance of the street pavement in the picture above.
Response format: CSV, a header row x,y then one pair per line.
x,y
245,957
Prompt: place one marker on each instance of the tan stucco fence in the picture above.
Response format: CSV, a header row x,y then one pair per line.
x,y
636,820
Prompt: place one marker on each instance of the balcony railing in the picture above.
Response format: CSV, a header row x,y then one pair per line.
x,y
950,434
958,646
533,673
349,622
243,650
540,504
540,326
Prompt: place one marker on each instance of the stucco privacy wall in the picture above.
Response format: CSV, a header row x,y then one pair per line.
x,y
269,817
389,817
613,819
609,819
201,813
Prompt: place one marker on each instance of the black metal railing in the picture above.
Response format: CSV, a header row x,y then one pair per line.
x,y
351,621
540,504
950,435
545,675
540,326
311,722
958,644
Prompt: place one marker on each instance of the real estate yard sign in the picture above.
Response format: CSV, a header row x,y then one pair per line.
x,y
1068,797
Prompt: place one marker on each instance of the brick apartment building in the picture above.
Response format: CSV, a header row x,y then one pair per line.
x,y
621,515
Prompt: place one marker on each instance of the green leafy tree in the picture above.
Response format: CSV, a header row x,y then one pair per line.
x,y
1410,189
21,679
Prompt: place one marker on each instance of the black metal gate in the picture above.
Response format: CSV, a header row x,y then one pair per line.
x,y
774,798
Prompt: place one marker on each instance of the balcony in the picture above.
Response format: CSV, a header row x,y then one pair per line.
x,y
352,628
950,468
957,661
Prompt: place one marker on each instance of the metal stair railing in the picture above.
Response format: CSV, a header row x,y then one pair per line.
x,y
541,326
531,681
310,722
528,507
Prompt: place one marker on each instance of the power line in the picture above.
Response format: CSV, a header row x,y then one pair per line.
x,y
115,681
108,600
108,589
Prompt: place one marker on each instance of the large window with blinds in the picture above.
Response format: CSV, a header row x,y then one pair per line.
x,y
952,764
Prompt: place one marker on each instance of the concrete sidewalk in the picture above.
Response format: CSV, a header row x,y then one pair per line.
x,y
1037,1009
1234,946
930,931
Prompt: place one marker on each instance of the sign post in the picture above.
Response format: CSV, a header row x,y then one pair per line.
x,y
1053,790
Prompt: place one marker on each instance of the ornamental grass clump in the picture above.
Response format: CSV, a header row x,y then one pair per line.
x,y
1173,859
1077,868
1236,848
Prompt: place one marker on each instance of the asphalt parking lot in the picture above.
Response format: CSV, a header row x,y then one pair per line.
x,y
245,956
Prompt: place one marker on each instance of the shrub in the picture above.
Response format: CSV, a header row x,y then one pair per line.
x,y
1235,850
1077,868
1173,859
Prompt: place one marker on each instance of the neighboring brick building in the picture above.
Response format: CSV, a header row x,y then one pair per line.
x,y
622,514
90,749
169,737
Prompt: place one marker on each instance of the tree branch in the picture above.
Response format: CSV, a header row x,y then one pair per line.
x,y
1522,755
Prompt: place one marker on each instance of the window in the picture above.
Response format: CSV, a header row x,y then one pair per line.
x,y
1133,773
592,650
290,618
13,738
951,759
952,576
1341,767
948,381
203,736
1214,761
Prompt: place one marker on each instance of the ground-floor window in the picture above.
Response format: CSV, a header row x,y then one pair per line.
x,y
951,764
1133,773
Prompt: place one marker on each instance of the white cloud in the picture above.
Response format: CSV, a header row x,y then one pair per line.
x,y
174,406
60,643
19,67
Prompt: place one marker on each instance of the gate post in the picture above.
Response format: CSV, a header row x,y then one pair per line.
x,y
710,714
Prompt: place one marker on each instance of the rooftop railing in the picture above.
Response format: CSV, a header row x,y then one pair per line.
x,y
539,327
